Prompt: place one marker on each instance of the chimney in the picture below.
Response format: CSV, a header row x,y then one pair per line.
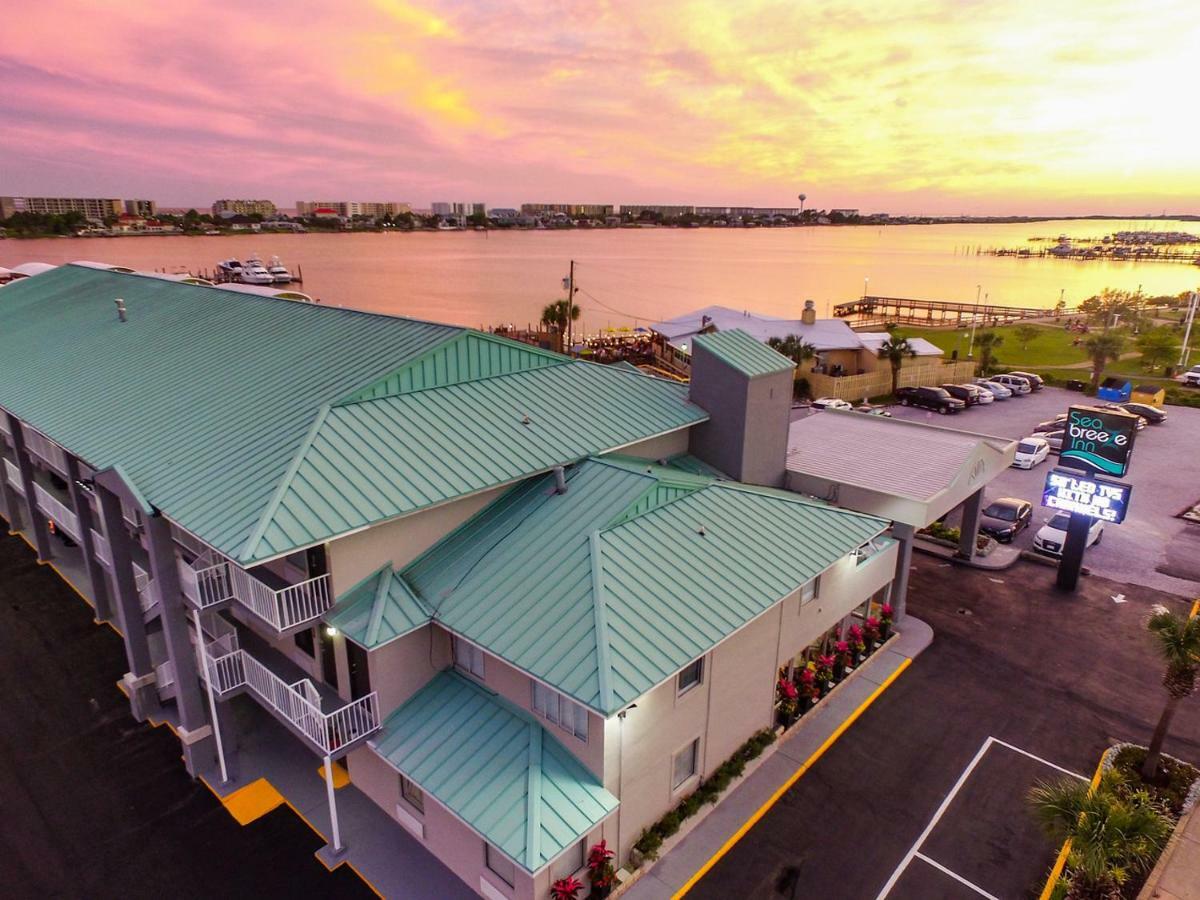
x,y
121,310
560,480
809,316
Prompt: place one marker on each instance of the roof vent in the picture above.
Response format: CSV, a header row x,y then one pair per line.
x,y
560,480
525,420
700,531
121,309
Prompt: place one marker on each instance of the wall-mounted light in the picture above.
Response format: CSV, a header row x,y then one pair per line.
x,y
331,631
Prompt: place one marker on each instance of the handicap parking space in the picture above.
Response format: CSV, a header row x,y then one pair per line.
x,y
982,841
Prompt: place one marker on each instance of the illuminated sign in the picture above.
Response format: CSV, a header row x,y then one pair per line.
x,y
1095,497
1098,440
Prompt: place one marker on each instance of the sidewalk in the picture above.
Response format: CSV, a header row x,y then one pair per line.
x,y
1001,557
796,752
1177,875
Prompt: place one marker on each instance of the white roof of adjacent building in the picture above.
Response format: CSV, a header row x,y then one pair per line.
x,y
904,470
824,334
30,269
873,340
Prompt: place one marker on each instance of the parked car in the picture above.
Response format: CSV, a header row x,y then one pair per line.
x,y
1014,383
969,398
1005,518
1075,384
1191,377
1051,537
1030,452
1035,381
872,409
1058,423
929,398
982,396
1054,439
1151,414
997,390
831,403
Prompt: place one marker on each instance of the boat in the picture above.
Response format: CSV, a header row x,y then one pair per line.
x,y
254,272
279,272
230,269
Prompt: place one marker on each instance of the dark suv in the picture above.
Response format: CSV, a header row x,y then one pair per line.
x,y
935,398
960,392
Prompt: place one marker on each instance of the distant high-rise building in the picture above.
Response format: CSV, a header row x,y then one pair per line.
x,y
371,209
243,208
459,210
144,208
591,210
97,208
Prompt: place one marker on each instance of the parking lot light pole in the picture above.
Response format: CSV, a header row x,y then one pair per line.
x,y
1187,329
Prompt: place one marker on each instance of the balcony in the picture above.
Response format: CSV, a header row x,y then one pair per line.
x,y
212,579
59,513
297,703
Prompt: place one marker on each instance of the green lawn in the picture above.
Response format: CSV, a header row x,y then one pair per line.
x,y
1051,347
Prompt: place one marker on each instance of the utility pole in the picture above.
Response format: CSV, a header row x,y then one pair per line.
x,y
569,284
1187,331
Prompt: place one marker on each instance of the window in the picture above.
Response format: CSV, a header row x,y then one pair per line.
x,y
304,640
690,676
569,863
683,766
500,864
562,711
468,657
413,794
811,591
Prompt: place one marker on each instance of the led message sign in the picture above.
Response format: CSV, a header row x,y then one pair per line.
x,y
1095,497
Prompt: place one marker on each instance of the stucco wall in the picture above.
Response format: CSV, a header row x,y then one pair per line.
x,y
402,667
354,557
662,447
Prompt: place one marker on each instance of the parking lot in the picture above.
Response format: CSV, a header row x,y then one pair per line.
x,y
1153,547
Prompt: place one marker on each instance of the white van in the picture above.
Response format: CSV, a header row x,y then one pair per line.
x,y
1015,383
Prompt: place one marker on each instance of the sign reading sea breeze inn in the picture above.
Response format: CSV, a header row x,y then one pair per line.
x,y
1098,440
1096,497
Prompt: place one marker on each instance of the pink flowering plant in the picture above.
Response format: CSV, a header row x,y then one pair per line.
x,y
566,888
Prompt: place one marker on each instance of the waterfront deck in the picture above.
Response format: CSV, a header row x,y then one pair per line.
x,y
876,311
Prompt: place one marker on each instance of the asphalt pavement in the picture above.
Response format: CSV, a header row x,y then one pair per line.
x,y
1056,678
96,805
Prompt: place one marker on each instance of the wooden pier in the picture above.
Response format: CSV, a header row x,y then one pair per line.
x,y
869,310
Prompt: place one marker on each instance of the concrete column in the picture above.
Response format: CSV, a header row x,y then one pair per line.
x,y
139,680
83,510
972,507
37,521
904,535
199,750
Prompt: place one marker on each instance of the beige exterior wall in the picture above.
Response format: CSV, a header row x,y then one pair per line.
x,y
402,667
662,447
355,556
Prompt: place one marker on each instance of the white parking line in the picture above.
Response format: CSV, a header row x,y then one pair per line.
x,y
915,851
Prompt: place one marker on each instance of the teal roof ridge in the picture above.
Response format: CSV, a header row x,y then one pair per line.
x,y
145,504
281,488
600,611
744,352
377,607
533,798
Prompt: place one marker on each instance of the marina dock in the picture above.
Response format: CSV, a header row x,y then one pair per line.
x,y
877,311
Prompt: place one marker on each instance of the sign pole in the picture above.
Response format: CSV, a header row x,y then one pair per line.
x,y
1072,552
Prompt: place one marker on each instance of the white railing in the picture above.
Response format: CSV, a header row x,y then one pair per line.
x,y
14,476
327,731
58,511
141,581
38,443
164,674
207,582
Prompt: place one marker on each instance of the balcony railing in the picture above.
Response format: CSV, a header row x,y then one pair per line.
x,y
14,476
212,579
62,517
296,703
49,451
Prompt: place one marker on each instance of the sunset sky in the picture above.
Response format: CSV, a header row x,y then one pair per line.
x,y
938,106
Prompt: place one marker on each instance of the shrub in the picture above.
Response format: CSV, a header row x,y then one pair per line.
x,y
736,765
689,806
668,824
649,843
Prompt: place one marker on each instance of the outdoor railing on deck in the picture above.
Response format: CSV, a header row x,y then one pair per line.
x,y
45,448
208,583
57,511
327,731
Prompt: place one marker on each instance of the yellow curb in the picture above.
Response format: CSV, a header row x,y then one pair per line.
x,y
253,801
341,777
1195,610
783,789
1061,861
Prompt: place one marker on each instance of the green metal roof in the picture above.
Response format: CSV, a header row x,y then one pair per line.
x,y
227,411
378,609
494,767
747,354
373,460
608,589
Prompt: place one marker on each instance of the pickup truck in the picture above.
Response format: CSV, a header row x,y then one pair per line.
x,y
935,398
1192,377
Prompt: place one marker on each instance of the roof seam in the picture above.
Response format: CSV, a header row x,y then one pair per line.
x,y
377,608
533,798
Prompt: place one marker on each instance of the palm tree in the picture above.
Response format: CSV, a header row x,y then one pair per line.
x,y
1114,834
895,350
793,347
1178,641
988,342
1102,349
554,315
